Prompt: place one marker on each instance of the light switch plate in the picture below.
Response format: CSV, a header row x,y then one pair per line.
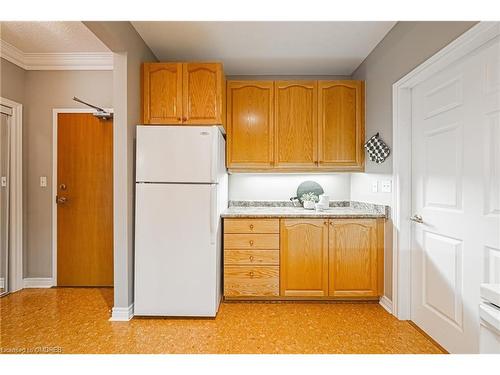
x,y
374,186
43,181
386,186
4,181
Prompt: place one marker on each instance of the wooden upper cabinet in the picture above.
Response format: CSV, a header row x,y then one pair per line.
x,y
162,93
341,124
304,258
356,258
183,93
250,124
202,93
296,123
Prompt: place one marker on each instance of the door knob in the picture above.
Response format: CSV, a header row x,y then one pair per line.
x,y
61,200
417,219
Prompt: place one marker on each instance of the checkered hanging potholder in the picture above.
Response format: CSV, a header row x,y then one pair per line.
x,y
377,150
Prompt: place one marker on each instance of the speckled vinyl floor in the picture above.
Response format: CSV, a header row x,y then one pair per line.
x,y
75,320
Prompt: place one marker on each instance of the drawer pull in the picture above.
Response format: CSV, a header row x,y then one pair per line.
x,y
251,226
251,242
251,274
251,258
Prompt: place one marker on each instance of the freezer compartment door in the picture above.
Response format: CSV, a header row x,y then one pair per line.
x,y
176,250
178,154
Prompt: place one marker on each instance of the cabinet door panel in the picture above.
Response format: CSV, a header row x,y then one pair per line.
x,y
296,123
162,93
341,124
202,93
354,258
250,124
304,258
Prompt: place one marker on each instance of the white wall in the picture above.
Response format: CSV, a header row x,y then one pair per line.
x,y
361,187
284,186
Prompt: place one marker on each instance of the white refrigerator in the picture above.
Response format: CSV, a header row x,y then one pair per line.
x,y
181,190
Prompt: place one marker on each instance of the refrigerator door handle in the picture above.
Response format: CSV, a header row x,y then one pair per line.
x,y
213,214
214,156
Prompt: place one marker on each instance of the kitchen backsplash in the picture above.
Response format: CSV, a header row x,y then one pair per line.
x,y
283,186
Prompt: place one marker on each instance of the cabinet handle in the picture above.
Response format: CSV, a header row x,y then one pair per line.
x,y
251,258
184,119
251,242
251,274
251,226
179,119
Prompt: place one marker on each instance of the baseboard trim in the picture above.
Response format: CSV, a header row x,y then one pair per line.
x,y
122,314
386,303
38,282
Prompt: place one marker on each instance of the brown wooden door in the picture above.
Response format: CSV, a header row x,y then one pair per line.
x,y
85,218
202,93
304,258
162,93
341,124
296,130
250,124
356,258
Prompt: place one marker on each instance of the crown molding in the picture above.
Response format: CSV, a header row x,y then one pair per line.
x,y
56,61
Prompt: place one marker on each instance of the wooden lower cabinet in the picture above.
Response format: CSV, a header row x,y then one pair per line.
x,y
312,259
304,258
356,258
251,258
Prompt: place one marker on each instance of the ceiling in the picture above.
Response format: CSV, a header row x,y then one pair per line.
x,y
267,48
50,37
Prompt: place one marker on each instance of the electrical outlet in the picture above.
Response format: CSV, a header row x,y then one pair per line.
x,y
43,181
386,186
374,186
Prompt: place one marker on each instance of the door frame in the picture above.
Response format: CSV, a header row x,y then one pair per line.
x,y
16,196
402,159
55,112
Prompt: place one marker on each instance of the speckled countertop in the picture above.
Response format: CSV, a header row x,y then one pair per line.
x,y
271,209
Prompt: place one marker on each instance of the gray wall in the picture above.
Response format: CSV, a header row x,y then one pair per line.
x,y
12,80
46,90
406,46
40,92
130,51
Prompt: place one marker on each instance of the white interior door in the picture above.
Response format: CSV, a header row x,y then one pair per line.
x,y
455,189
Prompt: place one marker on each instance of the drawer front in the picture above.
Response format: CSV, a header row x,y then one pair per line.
x,y
252,257
251,226
252,241
242,281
